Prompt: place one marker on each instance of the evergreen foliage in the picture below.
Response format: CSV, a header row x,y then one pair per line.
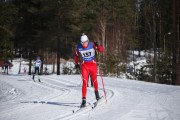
x,y
36,27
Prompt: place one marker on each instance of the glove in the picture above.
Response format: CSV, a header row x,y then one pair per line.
x,y
96,44
77,66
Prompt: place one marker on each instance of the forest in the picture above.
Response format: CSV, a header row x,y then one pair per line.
x,y
52,28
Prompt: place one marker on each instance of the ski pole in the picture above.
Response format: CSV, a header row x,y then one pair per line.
x,y
103,85
101,76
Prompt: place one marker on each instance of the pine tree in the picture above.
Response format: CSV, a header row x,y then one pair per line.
x,y
8,13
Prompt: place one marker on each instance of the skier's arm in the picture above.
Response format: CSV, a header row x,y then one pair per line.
x,y
76,57
98,47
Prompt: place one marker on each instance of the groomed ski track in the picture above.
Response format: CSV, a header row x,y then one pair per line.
x,y
57,96
58,90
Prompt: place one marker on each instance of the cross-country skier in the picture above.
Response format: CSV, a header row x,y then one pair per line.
x,y
85,52
6,66
37,67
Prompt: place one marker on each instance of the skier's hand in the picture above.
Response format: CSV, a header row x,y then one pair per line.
x,y
96,44
77,66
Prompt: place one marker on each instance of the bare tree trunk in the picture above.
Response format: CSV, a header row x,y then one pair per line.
x,y
155,48
103,29
42,64
30,61
54,62
58,56
58,39
102,25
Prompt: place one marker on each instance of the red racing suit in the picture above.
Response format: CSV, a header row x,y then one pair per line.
x,y
87,58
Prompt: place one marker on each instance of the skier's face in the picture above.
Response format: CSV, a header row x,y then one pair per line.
x,y
84,44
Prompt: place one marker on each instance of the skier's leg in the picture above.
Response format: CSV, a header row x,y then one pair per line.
x,y
34,72
4,70
85,74
33,76
39,78
7,70
38,75
93,73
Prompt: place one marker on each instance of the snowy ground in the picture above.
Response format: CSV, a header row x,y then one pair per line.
x,y
57,96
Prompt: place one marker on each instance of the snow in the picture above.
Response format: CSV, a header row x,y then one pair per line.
x,y
58,95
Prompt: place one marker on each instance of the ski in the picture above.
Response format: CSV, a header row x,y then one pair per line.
x,y
81,108
94,105
88,107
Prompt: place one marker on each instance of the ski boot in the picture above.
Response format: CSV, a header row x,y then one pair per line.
x,y
97,95
83,104
39,80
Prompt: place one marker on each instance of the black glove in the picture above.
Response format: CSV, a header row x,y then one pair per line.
x,y
77,66
96,44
